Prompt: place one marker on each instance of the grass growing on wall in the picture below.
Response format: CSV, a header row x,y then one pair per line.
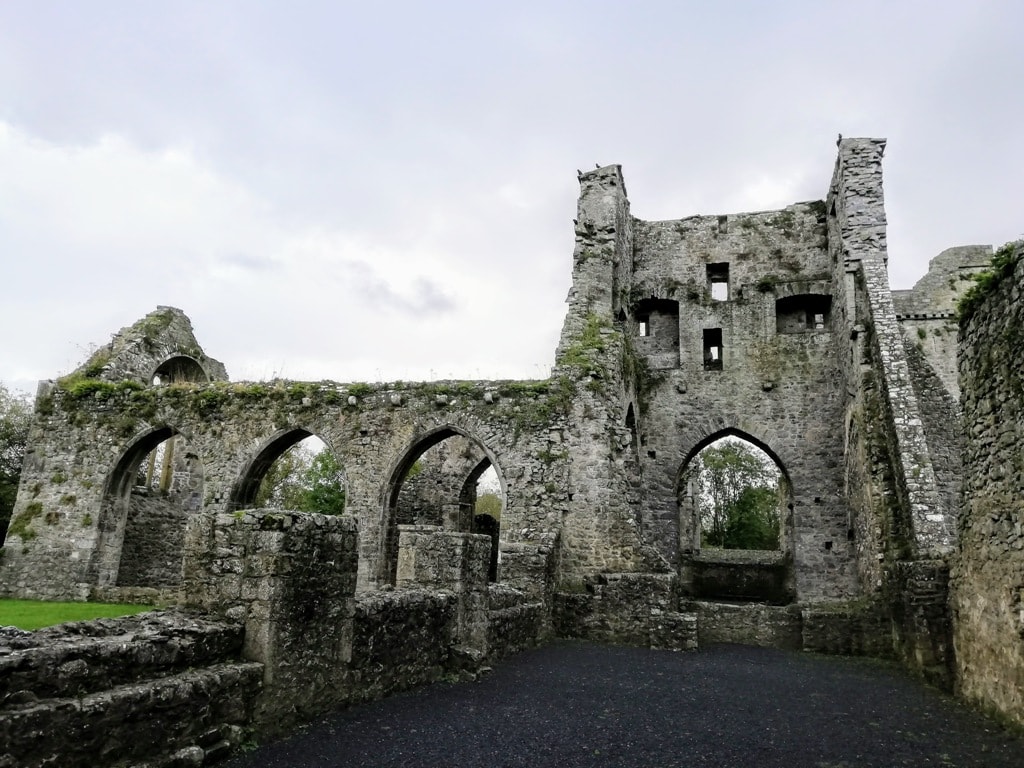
x,y
1003,263
35,614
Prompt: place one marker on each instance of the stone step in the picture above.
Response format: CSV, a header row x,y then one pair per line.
x,y
129,724
82,657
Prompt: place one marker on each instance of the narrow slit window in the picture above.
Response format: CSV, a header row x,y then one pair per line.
x,y
712,349
718,281
643,324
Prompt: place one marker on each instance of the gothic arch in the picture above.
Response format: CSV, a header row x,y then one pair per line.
x,y
178,369
400,470
734,574
246,487
142,516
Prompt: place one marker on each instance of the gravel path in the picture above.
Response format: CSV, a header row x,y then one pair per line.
x,y
577,704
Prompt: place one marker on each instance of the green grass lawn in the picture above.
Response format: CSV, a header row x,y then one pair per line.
x,y
33,614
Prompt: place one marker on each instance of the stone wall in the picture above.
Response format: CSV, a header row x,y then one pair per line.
x,y
988,574
72,510
901,520
290,578
633,608
761,284
926,311
163,689
776,327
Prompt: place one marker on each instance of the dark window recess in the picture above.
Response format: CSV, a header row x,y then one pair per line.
x,y
718,281
803,313
657,331
712,349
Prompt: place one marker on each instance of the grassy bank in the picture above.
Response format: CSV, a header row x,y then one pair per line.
x,y
34,614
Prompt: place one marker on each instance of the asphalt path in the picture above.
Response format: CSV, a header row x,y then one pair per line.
x,y
577,704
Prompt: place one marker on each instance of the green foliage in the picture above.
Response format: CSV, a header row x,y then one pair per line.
x,y
766,284
154,323
15,417
21,525
304,481
737,497
466,389
35,614
1003,262
752,521
514,389
488,504
96,363
78,386
360,389
325,491
582,353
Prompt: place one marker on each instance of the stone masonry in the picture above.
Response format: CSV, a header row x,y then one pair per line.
x,y
775,327
988,577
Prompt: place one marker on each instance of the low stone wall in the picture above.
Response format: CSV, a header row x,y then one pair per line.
x,y
164,689
85,657
514,623
631,608
749,623
922,634
736,574
400,640
848,629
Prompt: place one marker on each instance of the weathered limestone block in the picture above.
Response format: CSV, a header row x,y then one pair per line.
x,y
750,624
634,608
432,558
129,691
401,639
290,578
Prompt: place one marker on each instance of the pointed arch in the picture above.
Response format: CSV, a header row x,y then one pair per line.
x,y
744,574
154,486
400,471
246,488
177,369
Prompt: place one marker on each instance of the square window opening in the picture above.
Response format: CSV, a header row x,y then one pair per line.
x,y
712,349
718,281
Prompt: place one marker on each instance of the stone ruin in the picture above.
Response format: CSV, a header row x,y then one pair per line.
x,y
776,327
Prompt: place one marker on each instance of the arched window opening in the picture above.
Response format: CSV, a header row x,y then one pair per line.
x,y
447,481
488,501
739,496
148,498
294,471
177,370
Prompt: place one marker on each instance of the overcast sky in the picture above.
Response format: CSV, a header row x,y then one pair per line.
x,y
385,190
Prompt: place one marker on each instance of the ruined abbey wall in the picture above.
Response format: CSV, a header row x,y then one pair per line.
x,y
71,512
771,381
988,578
776,327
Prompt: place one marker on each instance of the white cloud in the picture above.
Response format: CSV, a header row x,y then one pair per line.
x,y
137,229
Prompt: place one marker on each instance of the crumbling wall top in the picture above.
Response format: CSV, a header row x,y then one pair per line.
x,y
159,348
